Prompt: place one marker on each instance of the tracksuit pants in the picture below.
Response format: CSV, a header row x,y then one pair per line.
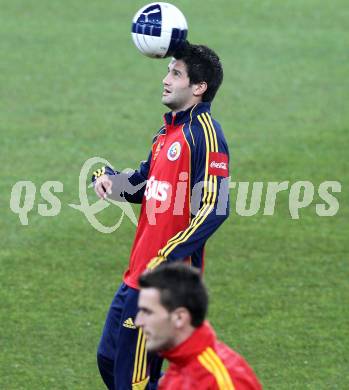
x,y
122,358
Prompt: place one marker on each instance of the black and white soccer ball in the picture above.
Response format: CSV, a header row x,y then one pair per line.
x,y
158,29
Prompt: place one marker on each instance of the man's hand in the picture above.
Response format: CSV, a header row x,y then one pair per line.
x,y
103,186
155,261
101,181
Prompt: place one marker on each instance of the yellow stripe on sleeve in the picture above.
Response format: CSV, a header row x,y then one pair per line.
x,y
210,360
208,149
218,362
210,133
185,233
214,132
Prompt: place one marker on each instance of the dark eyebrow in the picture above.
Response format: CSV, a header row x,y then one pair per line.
x,y
173,69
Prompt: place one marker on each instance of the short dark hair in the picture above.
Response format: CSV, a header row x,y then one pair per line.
x,y
180,285
203,64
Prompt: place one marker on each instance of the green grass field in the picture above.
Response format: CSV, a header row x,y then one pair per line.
x,y
73,86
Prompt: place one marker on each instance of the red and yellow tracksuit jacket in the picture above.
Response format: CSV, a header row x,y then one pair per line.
x,y
202,362
183,188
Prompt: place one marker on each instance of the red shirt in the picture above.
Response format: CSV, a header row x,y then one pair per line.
x,y
203,363
188,151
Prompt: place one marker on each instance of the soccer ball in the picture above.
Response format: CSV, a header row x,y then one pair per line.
x,y
158,29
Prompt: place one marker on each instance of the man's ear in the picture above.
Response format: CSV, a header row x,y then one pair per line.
x,y
181,317
200,88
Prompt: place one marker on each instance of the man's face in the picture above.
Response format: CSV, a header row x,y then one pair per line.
x,y
155,321
177,93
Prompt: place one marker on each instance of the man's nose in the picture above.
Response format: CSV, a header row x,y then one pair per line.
x,y
166,80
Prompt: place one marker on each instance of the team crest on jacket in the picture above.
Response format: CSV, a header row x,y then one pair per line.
x,y
174,151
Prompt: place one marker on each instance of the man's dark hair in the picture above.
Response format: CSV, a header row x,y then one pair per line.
x,y
180,286
203,64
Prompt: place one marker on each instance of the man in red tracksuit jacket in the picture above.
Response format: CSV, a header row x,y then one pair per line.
x,y
172,308
184,191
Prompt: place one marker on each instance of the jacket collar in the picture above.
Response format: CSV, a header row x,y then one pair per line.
x,y
181,117
202,337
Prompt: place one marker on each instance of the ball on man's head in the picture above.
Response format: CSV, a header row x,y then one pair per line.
x,y
158,29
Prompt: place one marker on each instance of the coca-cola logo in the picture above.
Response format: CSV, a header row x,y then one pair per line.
x,y
219,165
